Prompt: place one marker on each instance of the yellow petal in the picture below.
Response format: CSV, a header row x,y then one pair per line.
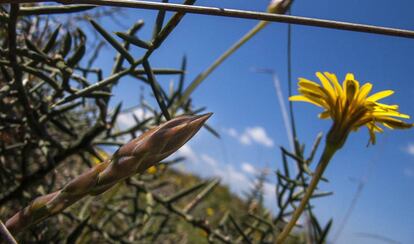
x,y
311,89
300,98
388,126
326,84
349,76
325,115
334,80
377,128
314,93
351,89
390,113
386,107
394,123
364,91
380,95
350,86
304,83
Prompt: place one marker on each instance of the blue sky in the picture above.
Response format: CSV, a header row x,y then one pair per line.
x,y
247,114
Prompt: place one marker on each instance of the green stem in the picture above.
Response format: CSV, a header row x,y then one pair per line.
x,y
197,81
328,152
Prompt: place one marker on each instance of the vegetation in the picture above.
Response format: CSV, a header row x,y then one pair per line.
x,y
68,175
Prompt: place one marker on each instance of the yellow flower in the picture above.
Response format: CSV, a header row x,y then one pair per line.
x,y
210,211
152,170
350,106
102,154
203,233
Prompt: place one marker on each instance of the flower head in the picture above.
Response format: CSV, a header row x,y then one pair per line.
x,y
350,106
149,149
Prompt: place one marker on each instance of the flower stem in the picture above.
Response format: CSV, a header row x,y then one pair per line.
x,y
197,81
328,152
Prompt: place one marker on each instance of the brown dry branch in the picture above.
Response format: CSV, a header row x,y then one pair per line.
x,y
6,235
236,13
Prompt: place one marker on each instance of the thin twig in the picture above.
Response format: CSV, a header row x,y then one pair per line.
x,y
289,74
189,218
282,105
239,229
156,89
244,14
203,75
6,236
191,205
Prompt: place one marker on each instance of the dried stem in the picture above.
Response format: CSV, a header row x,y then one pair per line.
x,y
323,163
7,237
244,14
279,8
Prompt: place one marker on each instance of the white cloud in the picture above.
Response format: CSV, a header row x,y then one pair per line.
x,y
187,152
245,139
235,179
256,134
269,189
238,179
239,182
232,132
410,149
127,119
208,166
209,160
259,135
248,168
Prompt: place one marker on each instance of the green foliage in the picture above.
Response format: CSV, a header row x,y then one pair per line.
x,y
55,119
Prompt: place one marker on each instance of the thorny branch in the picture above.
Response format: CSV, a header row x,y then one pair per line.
x,y
54,115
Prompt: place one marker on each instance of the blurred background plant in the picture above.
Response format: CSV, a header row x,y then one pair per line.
x,y
56,122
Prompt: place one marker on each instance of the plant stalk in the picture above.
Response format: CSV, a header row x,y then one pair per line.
x,y
197,81
328,153
6,235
